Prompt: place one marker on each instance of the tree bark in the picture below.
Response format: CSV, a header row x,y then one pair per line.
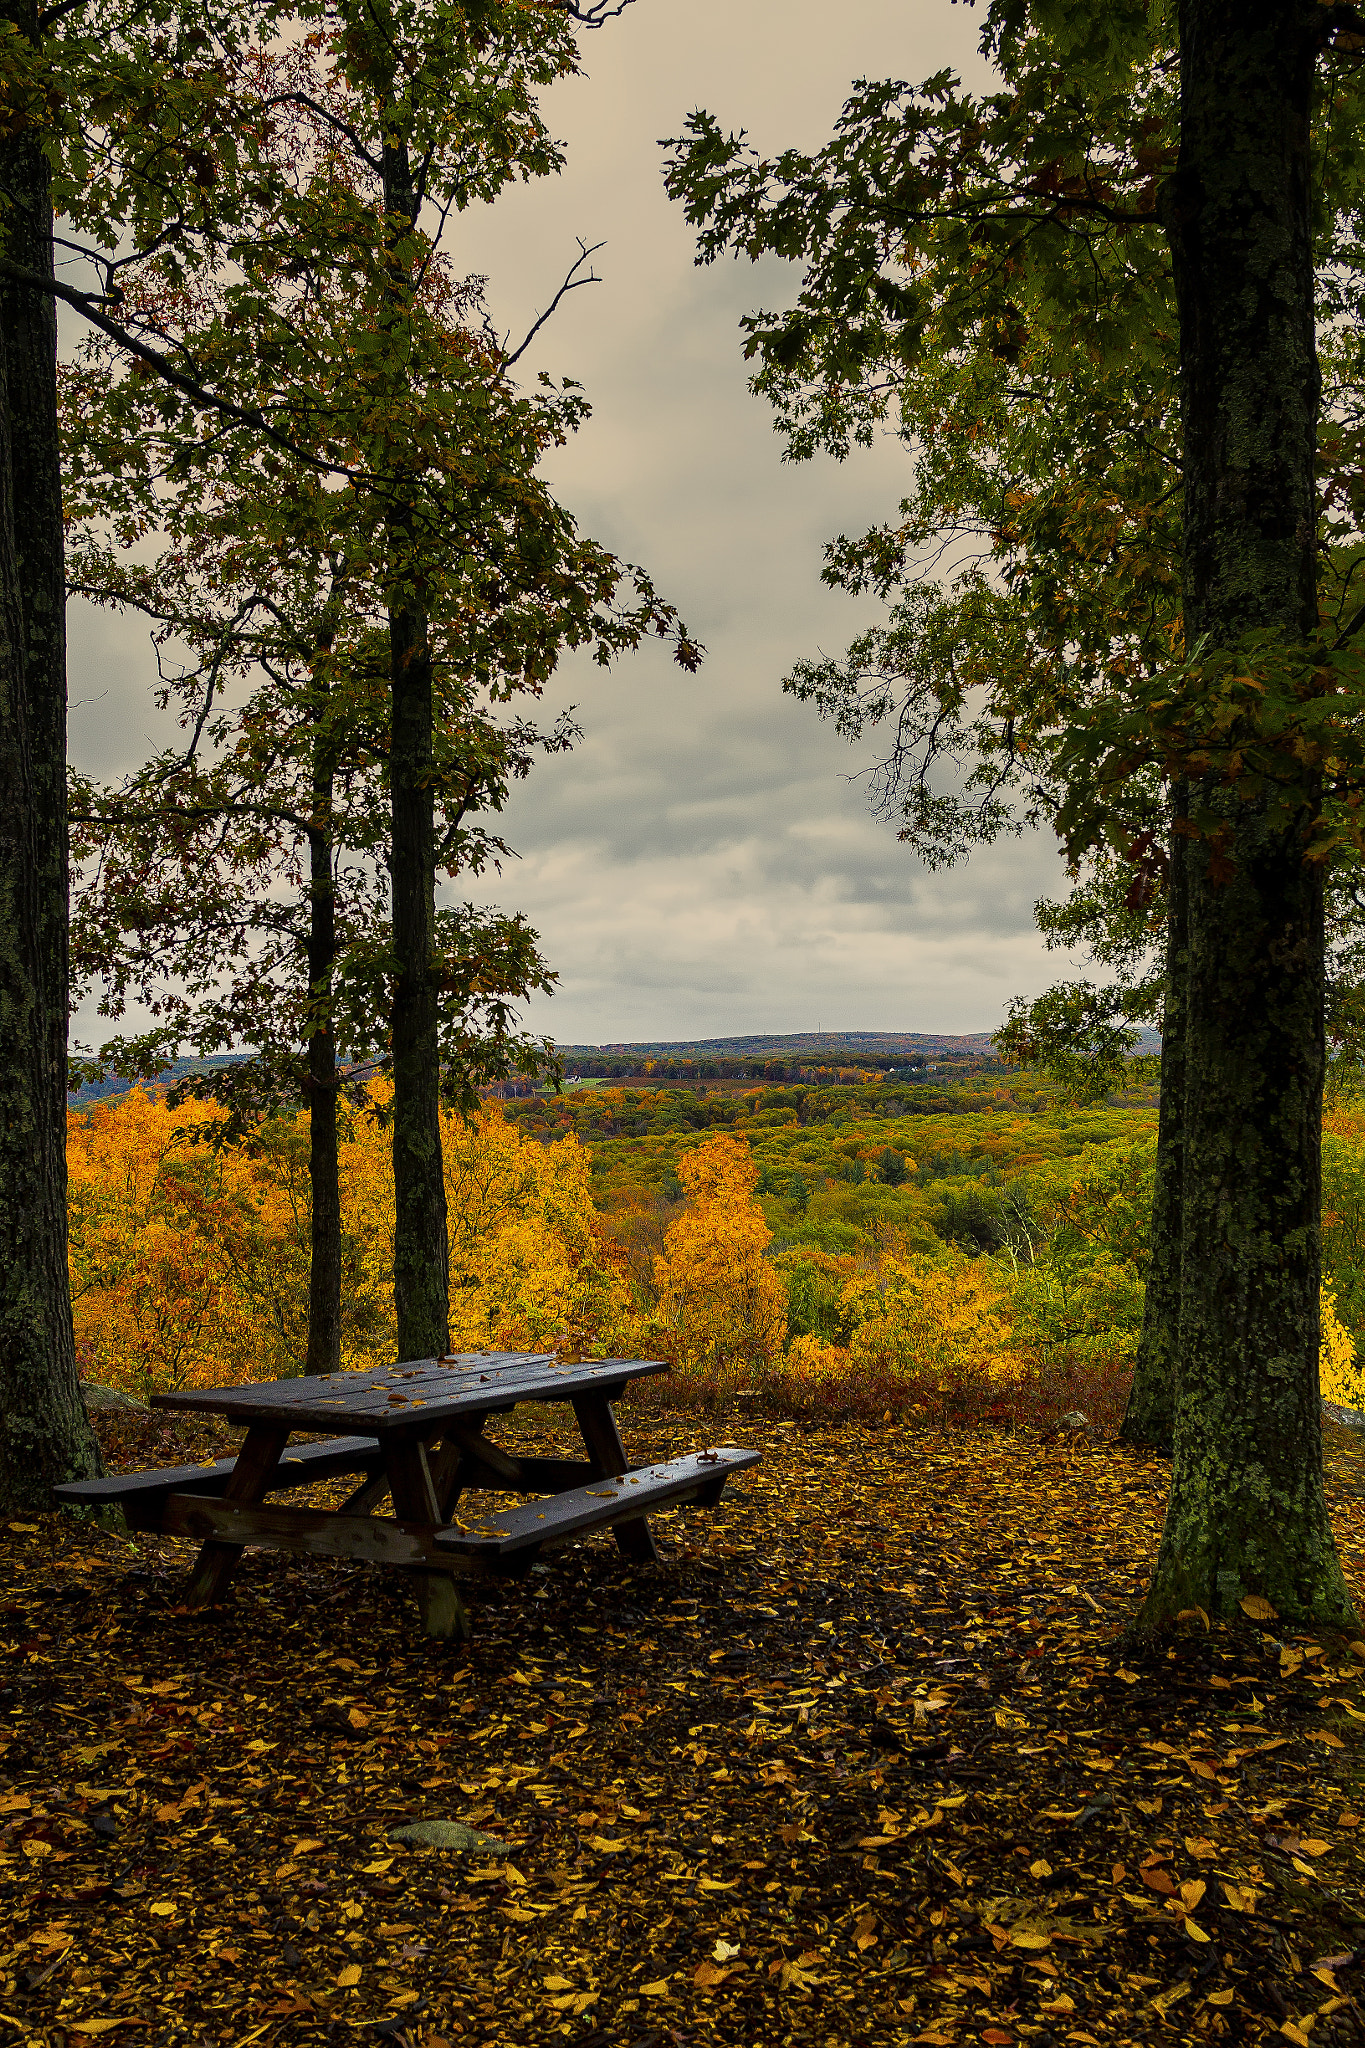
x,y
324,1267
1246,1512
1149,1419
421,1257
45,1435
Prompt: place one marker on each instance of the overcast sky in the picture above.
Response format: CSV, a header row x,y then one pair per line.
x,y
702,864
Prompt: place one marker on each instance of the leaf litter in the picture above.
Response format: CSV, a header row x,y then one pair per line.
x,y
867,1759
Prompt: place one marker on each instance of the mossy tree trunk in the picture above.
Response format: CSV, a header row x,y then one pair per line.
x,y
1247,1512
45,1435
421,1258
1149,1419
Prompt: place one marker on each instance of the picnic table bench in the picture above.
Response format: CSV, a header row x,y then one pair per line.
x,y
417,1437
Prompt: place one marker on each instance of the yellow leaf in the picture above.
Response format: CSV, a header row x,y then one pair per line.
x,y
258,1748
1290,1660
1059,2006
1295,2034
1196,1933
1193,1614
1220,1997
376,1869
1241,1897
1192,1892
349,1976
163,1908
1040,1869
1128,1678
32,1529
1312,1846
706,1976
1326,1738
1030,1937
606,1845
1258,1607
356,1719
714,1884
557,1983
658,1989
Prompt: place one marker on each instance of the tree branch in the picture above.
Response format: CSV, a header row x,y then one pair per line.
x,y
570,284
87,306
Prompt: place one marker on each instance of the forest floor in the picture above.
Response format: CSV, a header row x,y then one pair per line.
x,y
864,1762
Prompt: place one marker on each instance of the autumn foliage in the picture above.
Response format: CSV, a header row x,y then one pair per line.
x,y
189,1265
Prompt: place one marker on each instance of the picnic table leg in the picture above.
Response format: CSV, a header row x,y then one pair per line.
x,y
257,1462
607,1453
415,1500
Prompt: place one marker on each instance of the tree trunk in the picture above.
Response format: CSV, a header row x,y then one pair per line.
x,y
324,1268
45,1435
1246,1512
421,1258
1149,1419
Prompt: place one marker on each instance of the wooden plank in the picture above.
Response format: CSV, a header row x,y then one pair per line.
x,y
322,1386
414,1500
310,1532
255,1467
607,1452
607,1502
534,1475
430,1393
367,1497
301,1465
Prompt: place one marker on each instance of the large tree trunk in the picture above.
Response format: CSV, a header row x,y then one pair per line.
x,y
421,1260
324,1268
45,1435
1149,1419
1246,1511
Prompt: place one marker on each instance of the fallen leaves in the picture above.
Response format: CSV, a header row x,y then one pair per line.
x,y
860,1763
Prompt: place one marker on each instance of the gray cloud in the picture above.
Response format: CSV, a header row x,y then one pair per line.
x,y
701,864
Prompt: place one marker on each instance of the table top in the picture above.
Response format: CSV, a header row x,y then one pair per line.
x,y
415,1397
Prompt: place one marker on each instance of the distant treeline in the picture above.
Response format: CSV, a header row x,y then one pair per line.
x,y
850,1072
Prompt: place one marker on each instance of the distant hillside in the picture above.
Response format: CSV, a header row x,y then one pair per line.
x,y
118,1084
860,1046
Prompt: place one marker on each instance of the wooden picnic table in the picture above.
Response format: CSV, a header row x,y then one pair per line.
x,y
417,1434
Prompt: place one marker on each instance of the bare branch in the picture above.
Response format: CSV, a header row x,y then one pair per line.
x,y
571,284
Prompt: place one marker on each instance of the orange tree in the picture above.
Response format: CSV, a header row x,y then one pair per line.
x,y
1088,298
718,1300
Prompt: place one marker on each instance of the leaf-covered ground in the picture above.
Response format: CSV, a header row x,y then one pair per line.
x,y
864,1762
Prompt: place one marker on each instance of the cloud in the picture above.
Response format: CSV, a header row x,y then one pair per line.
x,y
702,863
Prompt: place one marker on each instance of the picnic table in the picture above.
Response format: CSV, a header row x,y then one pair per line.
x,y
417,1435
